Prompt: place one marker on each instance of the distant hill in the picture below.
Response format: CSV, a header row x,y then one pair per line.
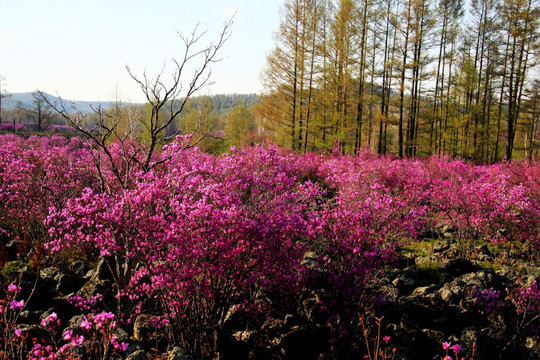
x,y
26,99
222,102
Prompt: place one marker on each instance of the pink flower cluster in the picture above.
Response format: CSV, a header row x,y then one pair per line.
x,y
528,299
193,228
488,300
85,304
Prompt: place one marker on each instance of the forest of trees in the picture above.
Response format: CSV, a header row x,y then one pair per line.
x,y
218,121
407,77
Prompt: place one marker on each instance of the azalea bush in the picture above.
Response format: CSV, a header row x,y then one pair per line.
x,y
36,174
95,337
191,237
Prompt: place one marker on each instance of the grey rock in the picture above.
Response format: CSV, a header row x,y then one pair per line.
x,y
177,353
425,290
138,355
446,294
68,284
79,268
145,331
244,335
48,272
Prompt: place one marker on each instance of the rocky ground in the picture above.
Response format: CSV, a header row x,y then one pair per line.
x,y
428,300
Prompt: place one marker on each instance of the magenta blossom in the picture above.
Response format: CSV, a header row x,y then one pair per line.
x,y
386,338
13,288
456,348
68,334
16,304
446,345
85,324
53,317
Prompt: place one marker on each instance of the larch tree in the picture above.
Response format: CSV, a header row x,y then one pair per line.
x,y
522,40
286,74
449,13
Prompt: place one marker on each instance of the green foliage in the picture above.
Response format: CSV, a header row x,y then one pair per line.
x,y
434,271
13,266
240,125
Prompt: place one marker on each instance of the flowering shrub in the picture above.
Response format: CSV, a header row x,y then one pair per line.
x,y
10,308
456,349
488,300
192,235
36,174
10,127
96,340
527,303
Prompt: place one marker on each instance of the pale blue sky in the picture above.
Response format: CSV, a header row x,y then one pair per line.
x,y
79,49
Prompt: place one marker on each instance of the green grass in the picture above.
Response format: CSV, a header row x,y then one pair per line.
x,y
12,266
434,271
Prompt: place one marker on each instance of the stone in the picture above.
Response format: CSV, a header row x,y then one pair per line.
x,y
101,272
144,329
459,266
177,353
404,283
30,317
103,287
469,338
446,294
425,290
243,335
68,284
79,268
48,272
138,355
304,342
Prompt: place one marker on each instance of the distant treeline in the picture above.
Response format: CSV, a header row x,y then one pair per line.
x,y
216,121
408,77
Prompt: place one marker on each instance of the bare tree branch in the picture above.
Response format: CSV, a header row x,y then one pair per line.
x,y
161,93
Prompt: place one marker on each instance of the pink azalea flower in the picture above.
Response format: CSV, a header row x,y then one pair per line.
x,y
16,304
53,317
456,348
68,334
13,288
386,338
85,324
77,340
18,332
446,345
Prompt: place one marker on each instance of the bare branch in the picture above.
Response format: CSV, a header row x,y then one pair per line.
x,y
158,93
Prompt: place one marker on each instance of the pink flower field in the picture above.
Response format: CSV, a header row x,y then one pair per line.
x,y
198,240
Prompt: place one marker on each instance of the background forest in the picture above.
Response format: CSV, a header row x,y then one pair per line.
x,y
411,77
404,77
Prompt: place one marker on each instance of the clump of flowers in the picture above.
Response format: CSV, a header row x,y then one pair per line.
x,y
97,341
528,299
527,303
86,304
377,350
487,301
456,349
12,339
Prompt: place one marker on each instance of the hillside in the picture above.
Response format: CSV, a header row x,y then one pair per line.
x,y
221,102
26,99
